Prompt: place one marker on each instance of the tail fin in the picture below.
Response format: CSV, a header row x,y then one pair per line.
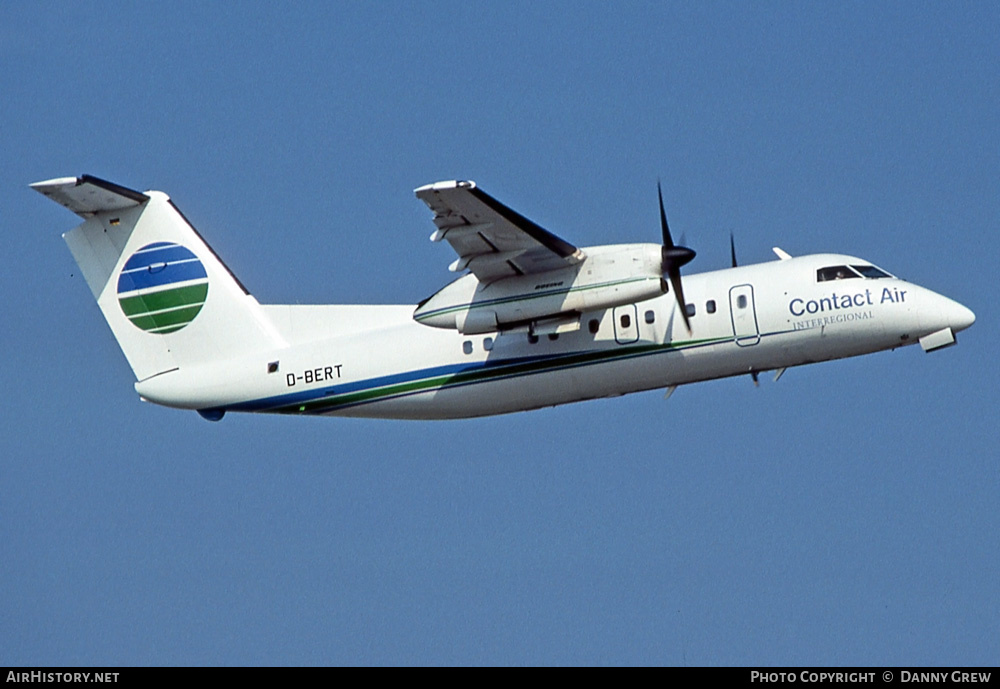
x,y
169,299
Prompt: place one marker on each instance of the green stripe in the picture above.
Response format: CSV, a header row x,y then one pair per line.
x,y
166,299
156,321
484,375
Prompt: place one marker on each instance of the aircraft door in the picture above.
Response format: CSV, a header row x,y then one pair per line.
x,y
744,315
626,324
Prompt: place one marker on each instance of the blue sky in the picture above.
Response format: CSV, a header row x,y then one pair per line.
x,y
844,515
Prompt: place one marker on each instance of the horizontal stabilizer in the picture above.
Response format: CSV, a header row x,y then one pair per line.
x,y
88,195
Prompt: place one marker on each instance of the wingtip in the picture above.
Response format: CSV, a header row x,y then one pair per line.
x,y
445,185
54,183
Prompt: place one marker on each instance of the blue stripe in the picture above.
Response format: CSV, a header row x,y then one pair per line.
x,y
371,383
149,255
168,275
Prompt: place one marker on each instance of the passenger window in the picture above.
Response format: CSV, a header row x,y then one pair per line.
x,y
741,301
533,339
835,273
553,336
488,344
626,321
467,346
690,310
594,326
710,306
650,316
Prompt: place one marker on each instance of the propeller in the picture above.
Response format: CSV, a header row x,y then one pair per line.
x,y
673,257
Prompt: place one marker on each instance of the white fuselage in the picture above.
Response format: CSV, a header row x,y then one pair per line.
x,y
377,361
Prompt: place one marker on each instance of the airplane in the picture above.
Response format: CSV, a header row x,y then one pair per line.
x,y
534,321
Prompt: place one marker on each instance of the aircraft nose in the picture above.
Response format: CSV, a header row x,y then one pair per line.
x,y
959,317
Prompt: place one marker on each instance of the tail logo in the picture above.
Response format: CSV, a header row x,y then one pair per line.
x,y
162,287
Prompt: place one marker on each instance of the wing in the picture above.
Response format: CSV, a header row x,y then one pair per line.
x,y
492,240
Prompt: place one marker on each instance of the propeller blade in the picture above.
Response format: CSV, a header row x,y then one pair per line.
x,y
732,249
667,240
675,280
672,258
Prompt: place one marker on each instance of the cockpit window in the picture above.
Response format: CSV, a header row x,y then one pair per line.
x,y
871,272
835,273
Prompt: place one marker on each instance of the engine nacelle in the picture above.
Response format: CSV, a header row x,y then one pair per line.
x,y
609,276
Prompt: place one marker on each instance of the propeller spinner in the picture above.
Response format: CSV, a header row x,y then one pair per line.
x,y
673,257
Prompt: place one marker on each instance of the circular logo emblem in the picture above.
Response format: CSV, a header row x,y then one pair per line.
x,y
162,287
